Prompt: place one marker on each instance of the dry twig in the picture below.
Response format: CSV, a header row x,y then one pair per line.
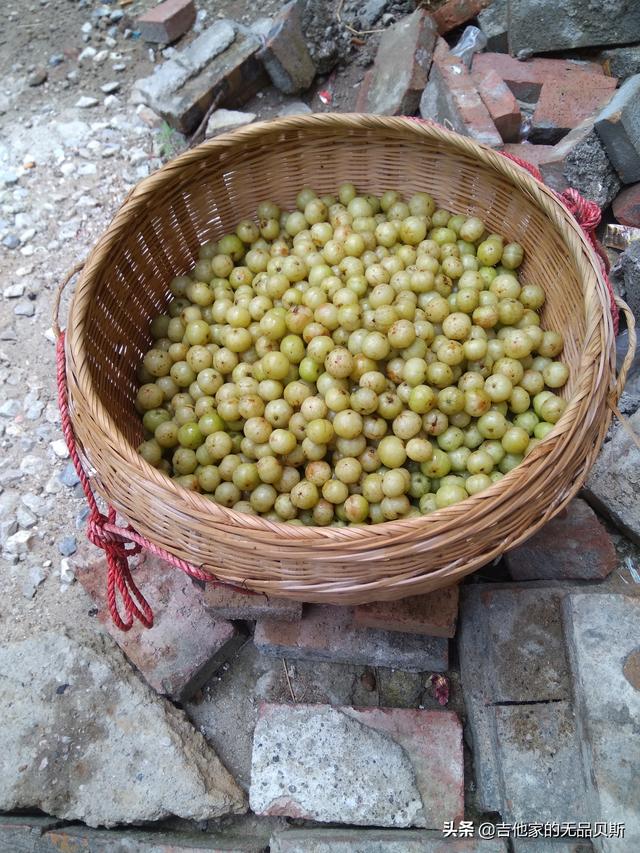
x,y
352,29
286,672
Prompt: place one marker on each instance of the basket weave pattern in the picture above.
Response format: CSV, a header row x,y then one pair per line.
x,y
201,195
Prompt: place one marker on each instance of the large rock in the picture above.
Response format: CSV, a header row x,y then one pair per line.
x,y
328,41
603,640
540,26
613,486
84,739
626,275
618,126
372,766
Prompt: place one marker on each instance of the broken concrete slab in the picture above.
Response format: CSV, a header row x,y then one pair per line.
x,y
539,763
186,644
580,161
380,766
613,487
394,85
434,614
326,632
378,841
285,54
451,97
618,126
511,651
572,546
542,26
603,641
83,738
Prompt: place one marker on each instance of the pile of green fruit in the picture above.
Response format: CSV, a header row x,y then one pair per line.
x,y
356,360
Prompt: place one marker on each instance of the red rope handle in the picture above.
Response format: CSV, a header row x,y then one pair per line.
x,y
113,539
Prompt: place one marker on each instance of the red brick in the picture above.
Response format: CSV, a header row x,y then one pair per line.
x,y
572,546
626,207
534,154
525,79
434,614
455,12
328,633
502,105
452,99
226,603
564,104
294,773
168,21
186,644
81,839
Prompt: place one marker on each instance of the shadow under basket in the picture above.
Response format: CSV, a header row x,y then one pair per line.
x,y
201,195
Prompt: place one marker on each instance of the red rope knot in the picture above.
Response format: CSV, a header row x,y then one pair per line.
x,y
587,213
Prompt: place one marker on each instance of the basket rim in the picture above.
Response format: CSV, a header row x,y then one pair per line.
x,y
538,193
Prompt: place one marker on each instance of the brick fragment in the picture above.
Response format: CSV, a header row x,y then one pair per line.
x,y
451,97
186,644
81,839
618,126
564,104
434,614
572,546
226,603
167,22
525,79
455,12
626,207
286,55
580,161
373,766
399,75
502,106
387,840
326,632
534,154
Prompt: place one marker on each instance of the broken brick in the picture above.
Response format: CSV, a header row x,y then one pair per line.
x,y
572,546
286,55
564,104
502,105
326,632
451,98
186,644
434,614
453,13
626,207
397,767
227,603
525,79
167,22
399,75
618,126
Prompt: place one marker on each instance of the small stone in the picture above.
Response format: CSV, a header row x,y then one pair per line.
x,y
101,57
8,527
20,543
35,577
67,572
10,408
37,77
56,59
10,241
87,53
8,178
110,88
111,101
25,518
14,291
68,546
86,28
146,115
297,108
60,449
68,476
25,308
223,121
85,102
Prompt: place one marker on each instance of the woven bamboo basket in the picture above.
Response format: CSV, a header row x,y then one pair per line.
x,y
203,193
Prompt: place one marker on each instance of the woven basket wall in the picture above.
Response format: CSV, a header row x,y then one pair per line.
x,y
202,194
